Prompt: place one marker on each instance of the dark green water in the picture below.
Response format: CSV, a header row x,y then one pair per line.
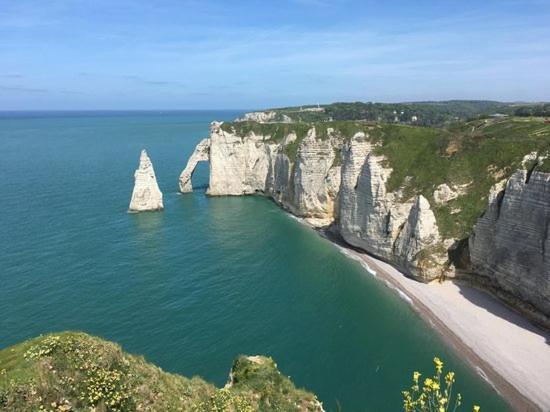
x,y
205,280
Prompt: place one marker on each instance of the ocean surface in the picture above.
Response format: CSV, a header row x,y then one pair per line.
x,y
203,281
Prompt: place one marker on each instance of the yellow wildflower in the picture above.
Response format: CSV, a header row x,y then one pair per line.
x,y
438,364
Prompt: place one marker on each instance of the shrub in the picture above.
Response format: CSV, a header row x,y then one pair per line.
x,y
434,394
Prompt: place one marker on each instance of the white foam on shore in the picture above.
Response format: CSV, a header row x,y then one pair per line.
x,y
481,373
299,219
404,296
365,265
401,294
356,258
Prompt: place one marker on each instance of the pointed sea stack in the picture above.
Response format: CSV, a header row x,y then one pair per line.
x,y
146,195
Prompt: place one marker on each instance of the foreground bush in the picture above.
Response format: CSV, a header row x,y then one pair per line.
x,y
434,394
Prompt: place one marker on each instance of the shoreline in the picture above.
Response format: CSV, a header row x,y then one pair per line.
x,y
502,347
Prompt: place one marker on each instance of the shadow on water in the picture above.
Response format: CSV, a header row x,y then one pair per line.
x,y
148,238
490,304
148,223
200,188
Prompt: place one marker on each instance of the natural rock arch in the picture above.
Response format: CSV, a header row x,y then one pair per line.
x,y
201,154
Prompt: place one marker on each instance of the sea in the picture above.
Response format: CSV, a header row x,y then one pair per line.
x,y
201,282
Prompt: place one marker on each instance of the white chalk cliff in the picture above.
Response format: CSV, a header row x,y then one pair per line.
x,y
377,221
342,182
510,244
146,195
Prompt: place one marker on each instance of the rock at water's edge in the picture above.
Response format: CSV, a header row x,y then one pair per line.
x,y
200,154
146,195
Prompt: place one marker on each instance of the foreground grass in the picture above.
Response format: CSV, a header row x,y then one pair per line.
x,y
468,156
73,371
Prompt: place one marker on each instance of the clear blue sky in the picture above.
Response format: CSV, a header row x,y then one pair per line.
x,y
132,54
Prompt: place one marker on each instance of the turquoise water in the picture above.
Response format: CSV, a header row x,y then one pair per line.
x,y
205,280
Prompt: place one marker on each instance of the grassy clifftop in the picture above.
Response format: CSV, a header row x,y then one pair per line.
x,y
468,156
77,372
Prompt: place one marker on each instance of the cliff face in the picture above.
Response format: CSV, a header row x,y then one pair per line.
x,y
237,166
343,178
510,244
377,221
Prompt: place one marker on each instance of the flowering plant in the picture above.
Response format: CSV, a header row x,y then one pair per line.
x,y
435,394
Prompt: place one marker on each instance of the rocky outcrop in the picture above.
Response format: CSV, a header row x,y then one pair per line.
x,y
443,194
146,195
265,117
260,117
200,154
510,244
418,248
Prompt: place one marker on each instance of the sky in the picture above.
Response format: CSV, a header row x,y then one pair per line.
x,y
215,54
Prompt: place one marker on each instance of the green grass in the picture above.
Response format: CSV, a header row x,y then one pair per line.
x,y
478,153
74,371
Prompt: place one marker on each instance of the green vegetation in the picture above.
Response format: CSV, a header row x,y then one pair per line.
x,y
418,113
540,109
76,372
435,394
470,156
